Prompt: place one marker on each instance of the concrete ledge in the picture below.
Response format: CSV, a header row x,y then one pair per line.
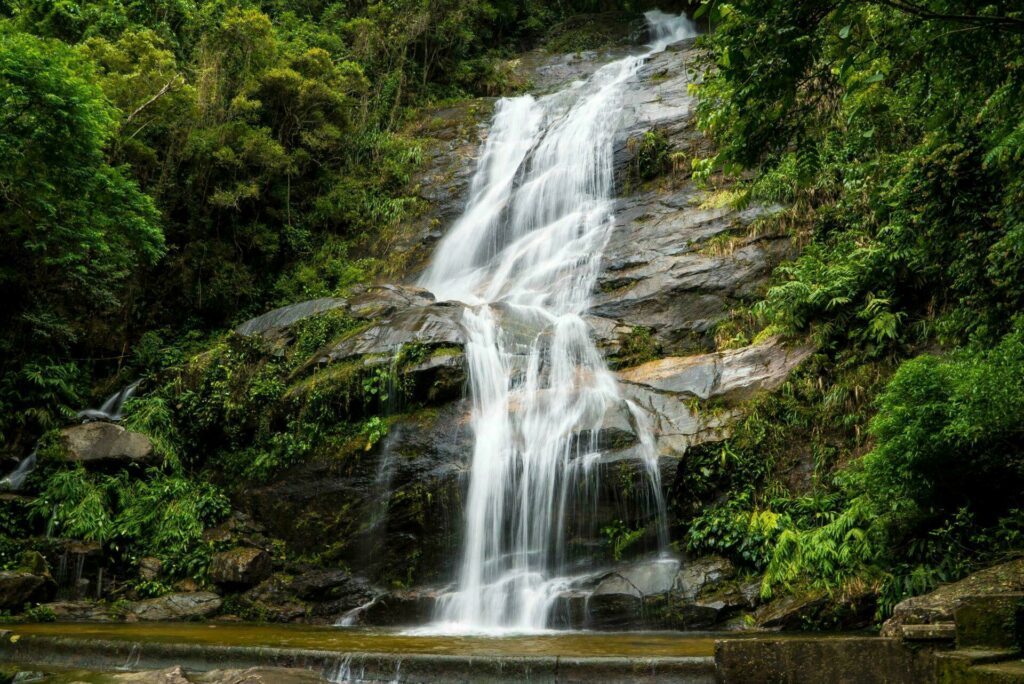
x,y
813,660
116,654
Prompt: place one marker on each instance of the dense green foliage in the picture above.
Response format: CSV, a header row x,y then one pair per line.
x,y
894,134
169,169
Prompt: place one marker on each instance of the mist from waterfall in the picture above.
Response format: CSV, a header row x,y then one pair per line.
x,y
525,256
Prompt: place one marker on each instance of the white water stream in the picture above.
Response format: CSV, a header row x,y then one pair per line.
x,y
524,256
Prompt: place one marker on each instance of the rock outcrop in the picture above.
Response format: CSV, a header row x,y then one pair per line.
x,y
677,261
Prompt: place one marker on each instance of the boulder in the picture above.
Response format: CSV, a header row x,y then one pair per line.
x,y
667,388
240,566
273,601
941,604
18,587
107,445
381,301
437,324
82,611
176,606
658,594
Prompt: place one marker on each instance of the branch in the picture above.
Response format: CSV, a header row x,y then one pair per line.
x,y
168,87
1002,23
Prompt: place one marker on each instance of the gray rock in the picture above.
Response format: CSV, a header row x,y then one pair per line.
x,y
176,606
642,579
666,388
702,575
82,611
278,319
381,301
107,445
320,584
242,565
433,325
401,608
791,612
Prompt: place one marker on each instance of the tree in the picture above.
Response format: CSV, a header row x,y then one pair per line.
x,y
74,227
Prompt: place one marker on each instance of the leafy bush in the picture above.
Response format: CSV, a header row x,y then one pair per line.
x,y
162,515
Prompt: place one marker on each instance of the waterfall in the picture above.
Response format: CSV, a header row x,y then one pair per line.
x,y
111,409
524,257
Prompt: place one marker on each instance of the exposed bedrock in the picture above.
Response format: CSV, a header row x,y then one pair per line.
x,y
391,512
661,269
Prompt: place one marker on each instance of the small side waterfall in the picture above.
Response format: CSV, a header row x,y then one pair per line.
x,y
110,410
524,256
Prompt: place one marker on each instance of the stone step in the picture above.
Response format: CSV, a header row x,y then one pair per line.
x,y
939,631
971,665
1009,672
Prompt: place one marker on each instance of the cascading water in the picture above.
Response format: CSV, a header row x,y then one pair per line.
x,y
524,256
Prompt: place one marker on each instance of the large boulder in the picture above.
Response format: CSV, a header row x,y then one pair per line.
x,y
331,584
176,606
107,445
240,566
437,324
18,588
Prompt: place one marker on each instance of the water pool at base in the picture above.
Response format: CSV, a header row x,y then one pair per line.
x,y
351,640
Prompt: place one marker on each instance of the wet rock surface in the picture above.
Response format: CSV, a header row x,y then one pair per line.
x,y
699,593
390,511
659,269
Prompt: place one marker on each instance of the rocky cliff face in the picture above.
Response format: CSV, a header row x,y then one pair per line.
x,y
393,512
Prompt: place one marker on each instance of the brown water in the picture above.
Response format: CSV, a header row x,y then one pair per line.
x,y
347,640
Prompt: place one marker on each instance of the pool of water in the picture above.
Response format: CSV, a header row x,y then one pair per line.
x,y
352,640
